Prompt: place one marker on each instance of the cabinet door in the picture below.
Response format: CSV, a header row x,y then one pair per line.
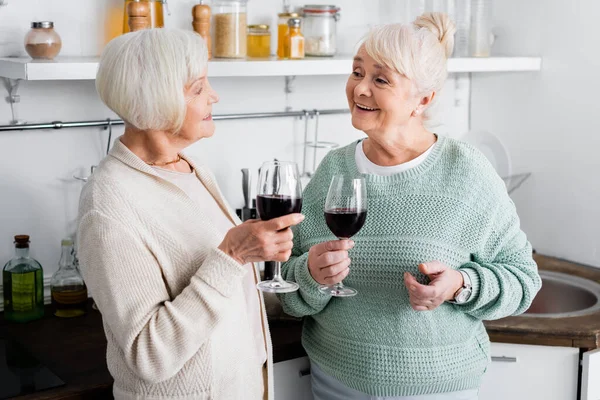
x,y
524,372
292,380
590,375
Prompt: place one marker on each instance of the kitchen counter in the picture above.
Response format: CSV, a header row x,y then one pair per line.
x,y
74,349
582,331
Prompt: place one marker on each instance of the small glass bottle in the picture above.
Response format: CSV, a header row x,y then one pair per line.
x,y
259,41
295,39
42,42
69,293
283,30
23,285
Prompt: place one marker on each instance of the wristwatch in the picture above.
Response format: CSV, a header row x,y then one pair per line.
x,y
463,294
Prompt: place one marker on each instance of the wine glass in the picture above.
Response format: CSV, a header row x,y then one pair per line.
x,y
279,193
345,215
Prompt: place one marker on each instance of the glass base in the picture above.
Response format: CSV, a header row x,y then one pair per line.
x,y
338,290
277,286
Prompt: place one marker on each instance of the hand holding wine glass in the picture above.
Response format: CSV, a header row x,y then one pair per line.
x,y
328,262
256,240
345,215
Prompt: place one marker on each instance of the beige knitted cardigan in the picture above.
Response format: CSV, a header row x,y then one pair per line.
x,y
172,303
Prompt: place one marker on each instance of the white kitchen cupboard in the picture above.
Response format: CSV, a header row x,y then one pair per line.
x,y
590,375
526,372
292,379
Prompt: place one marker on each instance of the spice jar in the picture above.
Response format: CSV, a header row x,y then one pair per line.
x,y
282,33
320,29
42,41
229,27
259,41
295,39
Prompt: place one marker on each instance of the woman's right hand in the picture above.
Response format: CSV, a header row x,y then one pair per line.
x,y
328,262
257,240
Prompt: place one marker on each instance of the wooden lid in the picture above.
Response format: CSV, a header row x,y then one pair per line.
x,y
138,9
201,11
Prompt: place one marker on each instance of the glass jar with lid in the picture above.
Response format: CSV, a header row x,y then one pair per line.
x,y
259,41
229,28
42,41
320,29
283,30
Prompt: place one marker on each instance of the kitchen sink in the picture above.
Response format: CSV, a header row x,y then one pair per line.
x,y
564,295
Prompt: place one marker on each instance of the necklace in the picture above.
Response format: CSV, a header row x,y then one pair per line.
x,y
165,163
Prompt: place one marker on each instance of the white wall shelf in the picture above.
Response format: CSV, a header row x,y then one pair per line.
x,y
84,68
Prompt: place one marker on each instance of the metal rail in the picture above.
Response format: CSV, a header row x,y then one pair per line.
x,y
223,117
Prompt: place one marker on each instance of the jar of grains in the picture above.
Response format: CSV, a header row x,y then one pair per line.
x,y
320,29
259,41
229,28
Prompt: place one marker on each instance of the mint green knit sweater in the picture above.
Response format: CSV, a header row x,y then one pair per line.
x,y
453,208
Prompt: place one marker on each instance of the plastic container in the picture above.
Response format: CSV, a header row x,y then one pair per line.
x,y
320,29
229,28
42,41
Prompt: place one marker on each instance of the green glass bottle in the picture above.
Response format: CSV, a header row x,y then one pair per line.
x,y
23,285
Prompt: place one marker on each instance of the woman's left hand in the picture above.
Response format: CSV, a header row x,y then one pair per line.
x,y
444,283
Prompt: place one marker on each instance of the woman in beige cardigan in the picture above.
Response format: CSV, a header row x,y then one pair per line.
x,y
167,262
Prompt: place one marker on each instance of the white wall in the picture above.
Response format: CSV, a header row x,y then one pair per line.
x,y
549,121
37,193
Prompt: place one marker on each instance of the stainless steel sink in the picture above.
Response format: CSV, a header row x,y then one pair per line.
x,y
563,296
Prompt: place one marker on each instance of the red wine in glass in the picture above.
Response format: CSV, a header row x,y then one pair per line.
x,y
345,222
279,193
276,205
345,214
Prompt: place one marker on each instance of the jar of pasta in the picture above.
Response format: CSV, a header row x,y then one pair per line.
x,y
259,41
229,28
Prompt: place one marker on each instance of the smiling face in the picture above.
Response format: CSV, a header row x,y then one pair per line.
x,y
198,123
381,101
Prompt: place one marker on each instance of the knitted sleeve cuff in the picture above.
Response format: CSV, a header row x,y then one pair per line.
x,y
308,286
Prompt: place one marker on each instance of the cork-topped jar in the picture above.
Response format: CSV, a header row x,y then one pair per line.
x,y
42,41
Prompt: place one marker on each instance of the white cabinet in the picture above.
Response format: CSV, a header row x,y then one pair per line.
x,y
525,372
292,379
590,374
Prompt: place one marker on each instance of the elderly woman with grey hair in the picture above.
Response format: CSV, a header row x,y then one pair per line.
x,y
441,249
166,260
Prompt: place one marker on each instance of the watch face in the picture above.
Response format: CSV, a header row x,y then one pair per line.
x,y
463,296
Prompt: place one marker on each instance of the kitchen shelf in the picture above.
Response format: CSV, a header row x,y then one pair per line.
x,y
84,68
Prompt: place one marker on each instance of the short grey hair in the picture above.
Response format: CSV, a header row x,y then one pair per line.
x,y
142,76
418,51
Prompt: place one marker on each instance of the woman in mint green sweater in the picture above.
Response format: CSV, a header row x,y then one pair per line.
x,y
441,249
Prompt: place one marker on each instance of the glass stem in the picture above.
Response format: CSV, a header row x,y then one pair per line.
x,y
277,273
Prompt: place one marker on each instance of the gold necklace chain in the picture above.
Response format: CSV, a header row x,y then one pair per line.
x,y
166,163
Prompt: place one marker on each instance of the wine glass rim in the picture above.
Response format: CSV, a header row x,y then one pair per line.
x,y
280,162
